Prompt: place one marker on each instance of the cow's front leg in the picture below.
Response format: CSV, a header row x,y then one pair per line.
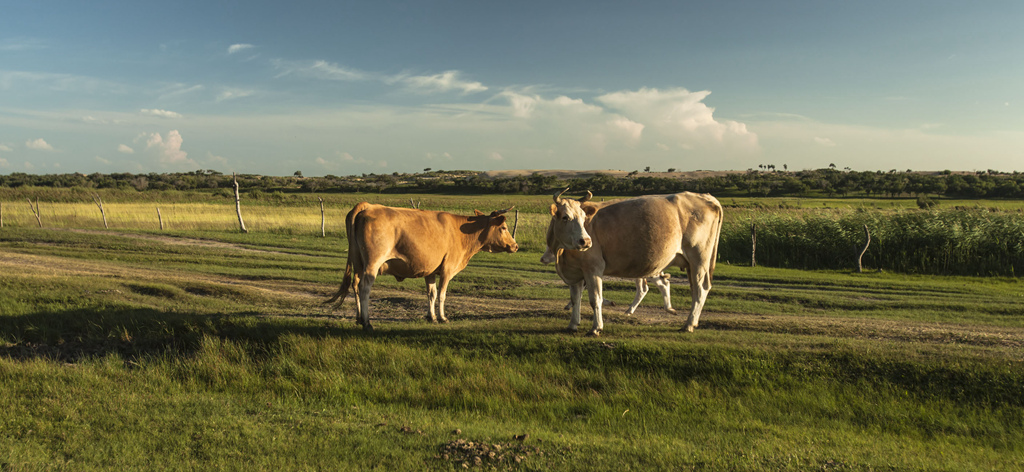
x,y
431,297
443,289
595,292
575,299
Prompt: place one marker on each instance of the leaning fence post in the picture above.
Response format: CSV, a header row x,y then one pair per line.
x,y
867,235
515,225
35,211
160,217
99,203
323,219
238,204
753,245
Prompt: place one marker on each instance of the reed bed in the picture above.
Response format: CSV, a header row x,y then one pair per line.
x,y
945,242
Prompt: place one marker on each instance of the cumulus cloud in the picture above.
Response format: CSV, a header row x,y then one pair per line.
x,y
679,113
5,148
824,141
496,156
102,160
38,144
125,149
238,47
167,150
160,113
443,82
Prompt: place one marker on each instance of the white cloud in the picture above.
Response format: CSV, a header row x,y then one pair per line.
x,y
4,163
824,141
160,113
443,82
632,129
238,47
680,114
38,144
176,90
102,160
29,166
213,160
167,150
322,70
495,156
233,93
5,148
125,149
344,161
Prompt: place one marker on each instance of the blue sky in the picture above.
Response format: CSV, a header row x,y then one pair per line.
x,y
359,87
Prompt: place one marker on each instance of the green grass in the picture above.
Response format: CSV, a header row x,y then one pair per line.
x,y
122,351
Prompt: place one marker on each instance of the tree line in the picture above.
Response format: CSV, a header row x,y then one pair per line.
x,y
769,182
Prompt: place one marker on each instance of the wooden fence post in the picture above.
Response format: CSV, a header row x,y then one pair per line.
x,y
515,225
867,235
160,217
99,203
35,211
1,214
238,204
753,245
323,219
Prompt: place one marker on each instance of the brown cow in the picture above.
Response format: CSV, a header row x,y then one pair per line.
x,y
634,238
410,243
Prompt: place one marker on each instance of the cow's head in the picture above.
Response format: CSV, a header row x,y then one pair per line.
x,y
496,236
566,230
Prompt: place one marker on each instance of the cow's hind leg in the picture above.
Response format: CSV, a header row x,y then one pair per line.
x,y
641,292
431,297
365,284
700,285
575,299
661,282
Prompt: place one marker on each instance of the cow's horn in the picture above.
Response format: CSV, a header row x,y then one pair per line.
x,y
587,197
515,225
558,196
502,212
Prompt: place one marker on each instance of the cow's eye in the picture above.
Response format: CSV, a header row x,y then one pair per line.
x,y
565,217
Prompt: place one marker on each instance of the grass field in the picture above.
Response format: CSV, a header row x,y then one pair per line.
x,y
204,348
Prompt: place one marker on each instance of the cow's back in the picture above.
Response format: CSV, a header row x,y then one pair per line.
x,y
413,243
641,236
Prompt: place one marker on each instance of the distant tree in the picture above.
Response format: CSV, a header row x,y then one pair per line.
x,y
298,174
647,169
426,169
832,166
671,169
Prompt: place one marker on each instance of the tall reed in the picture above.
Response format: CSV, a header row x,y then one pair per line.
x,y
948,242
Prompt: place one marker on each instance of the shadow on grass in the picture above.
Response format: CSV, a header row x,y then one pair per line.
x,y
133,334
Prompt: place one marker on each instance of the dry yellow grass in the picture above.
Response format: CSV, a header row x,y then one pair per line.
x,y
176,216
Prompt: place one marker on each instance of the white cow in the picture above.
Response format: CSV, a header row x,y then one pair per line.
x,y
634,238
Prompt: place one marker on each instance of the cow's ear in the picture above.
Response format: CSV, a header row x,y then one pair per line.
x,y
554,209
478,213
589,210
498,220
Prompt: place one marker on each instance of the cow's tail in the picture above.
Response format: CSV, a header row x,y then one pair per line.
x,y
354,262
716,236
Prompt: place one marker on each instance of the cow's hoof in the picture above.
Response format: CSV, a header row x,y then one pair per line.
x,y
687,329
444,320
570,330
671,310
593,333
367,327
432,320
629,313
